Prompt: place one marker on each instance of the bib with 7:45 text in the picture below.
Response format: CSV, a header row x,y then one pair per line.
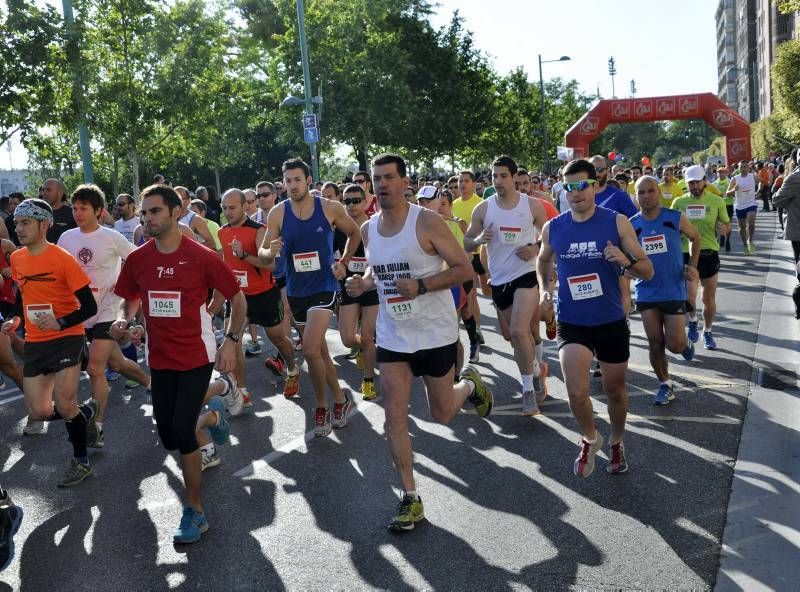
x,y
306,261
164,304
584,287
401,309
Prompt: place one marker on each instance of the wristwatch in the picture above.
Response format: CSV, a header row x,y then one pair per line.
x,y
421,289
633,262
244,255
232,336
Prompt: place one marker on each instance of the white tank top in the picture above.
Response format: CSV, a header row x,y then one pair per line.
x,y
745,191
512,229
408,326
187,220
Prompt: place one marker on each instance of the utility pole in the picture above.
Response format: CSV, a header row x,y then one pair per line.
x,y
612,70
633,88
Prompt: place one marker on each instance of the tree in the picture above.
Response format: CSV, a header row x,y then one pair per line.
x,y
788,6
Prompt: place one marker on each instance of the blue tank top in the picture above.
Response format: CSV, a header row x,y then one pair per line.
x,y
661,241
588,285
308,251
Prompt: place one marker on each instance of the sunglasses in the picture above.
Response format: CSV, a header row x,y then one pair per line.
x,y
428,192
601,169
263,194
579,185
352,200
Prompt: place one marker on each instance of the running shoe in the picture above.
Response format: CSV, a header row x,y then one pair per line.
x,y
474,352
33,427
746,249
544,370
10,519
247,402
292,385
193,525
552,328
688,352
75,473
360,360
298,345
220,432
480,337
708,340
353,353
664,395
752,246
131,384
275,365
94,435
322,422
584,464
341,410
209,459
598,372
253,348
618,464
481,396
111,375
529,405
693,333
229,381
234,401
368,392
409,512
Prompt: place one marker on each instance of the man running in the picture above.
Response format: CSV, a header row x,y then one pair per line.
x,y
610,197
169,278
505,223
240,239
722,184
300,229
743,188
669,187
56,300
662,299
413,262
54,192
265,193
127,221
705,212
191,219
591,244
100,252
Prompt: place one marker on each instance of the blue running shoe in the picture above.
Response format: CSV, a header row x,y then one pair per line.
x,y
193,524
10,519
688,352
708,340
221,432
111,375
664,395
693,334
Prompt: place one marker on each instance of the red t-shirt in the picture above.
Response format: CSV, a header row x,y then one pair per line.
x,y
550,210
173,288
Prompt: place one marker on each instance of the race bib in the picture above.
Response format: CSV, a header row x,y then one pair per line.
x,y
306,262
667,197
357,264
241,277
696,212
401,309
509,235
37,311
584,287
654,245
164,304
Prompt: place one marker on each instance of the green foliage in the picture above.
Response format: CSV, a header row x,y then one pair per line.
x,y
765,136
788,6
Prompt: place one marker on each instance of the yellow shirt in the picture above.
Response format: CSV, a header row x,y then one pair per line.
x,y
463,209
669,193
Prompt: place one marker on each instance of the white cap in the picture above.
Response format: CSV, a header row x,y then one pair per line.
x,y
694,173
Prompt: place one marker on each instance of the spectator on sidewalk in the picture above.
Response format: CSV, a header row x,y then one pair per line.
x,y
788,198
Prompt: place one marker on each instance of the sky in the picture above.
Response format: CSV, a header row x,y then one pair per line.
x,y
666,47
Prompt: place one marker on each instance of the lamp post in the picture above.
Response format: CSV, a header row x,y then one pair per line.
x,y
545,160
612,71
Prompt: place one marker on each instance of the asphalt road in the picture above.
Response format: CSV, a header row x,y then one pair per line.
x,y
504,511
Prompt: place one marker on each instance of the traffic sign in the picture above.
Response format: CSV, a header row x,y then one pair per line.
x,y
311,135
309,121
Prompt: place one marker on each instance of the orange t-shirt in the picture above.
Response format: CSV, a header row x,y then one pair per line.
x,y
763,176
550,210
48,282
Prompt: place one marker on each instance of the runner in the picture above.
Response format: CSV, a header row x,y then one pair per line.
x,y
591,244
301,230
265,193
363,180
56,300
408,249
705,212
128,221
100,252
192,220
722,183
240,239
662,299
669,187
505,224
54,192
169,278
361,311
198,206
610,197
636,173
743,188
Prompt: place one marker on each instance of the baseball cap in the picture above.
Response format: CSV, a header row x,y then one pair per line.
x,y
427,192
694,173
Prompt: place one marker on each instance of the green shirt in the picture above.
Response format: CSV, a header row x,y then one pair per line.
x,y
722,185
703,213
213,230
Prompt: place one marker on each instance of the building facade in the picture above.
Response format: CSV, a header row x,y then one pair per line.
x,y
13,180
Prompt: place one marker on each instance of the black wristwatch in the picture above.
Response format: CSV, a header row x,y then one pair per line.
x,y
233,337
244,255
633,262
421,289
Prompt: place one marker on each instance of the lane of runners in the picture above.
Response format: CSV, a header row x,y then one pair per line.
x,y
394,278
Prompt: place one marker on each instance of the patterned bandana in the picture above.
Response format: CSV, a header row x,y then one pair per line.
x,y
30,209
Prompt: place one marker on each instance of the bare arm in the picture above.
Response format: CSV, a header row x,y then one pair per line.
x,y
273,235
690,232
201,228
731,187
476,235
643,268
544,264
337,215
253,259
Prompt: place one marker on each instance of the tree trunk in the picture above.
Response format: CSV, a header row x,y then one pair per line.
x,y
361,156
216,182
135,170
115,176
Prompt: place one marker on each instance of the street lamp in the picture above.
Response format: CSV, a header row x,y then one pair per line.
x,y
545,160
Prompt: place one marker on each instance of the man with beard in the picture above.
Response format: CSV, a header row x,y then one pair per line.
x,y
607,196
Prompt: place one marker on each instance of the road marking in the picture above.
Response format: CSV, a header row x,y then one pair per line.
x,y
517,410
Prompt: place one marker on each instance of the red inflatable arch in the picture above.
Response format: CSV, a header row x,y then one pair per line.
x,y
704,106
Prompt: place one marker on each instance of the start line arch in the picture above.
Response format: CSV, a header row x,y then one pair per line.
x,y
704,106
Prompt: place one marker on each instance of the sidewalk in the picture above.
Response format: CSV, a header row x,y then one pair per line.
x,y
761,541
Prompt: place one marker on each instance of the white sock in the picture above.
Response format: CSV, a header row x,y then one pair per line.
x,y
693,317
209,448
99,425
412,494
527,383
665,382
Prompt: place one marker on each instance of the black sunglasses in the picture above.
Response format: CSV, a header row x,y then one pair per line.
x,y
352,200
263,194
